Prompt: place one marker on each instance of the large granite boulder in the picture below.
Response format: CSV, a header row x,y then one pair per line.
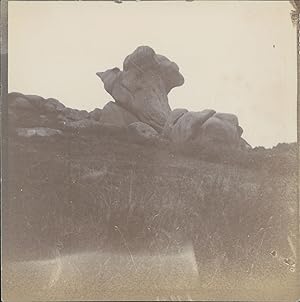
x,y
204,127
115,115
142,87
222,128
188,126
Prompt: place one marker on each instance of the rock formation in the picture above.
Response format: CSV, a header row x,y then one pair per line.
x,y
204,127
142,87
37,114
140,107
141,92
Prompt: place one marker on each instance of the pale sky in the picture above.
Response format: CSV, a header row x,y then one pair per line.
x,y
236,56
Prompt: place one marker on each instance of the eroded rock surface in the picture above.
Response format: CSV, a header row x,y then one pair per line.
x,y
140,107
143,86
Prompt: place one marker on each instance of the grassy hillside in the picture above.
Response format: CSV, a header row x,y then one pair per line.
x,y
97,192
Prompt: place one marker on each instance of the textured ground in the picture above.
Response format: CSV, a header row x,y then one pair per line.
x,y
93,217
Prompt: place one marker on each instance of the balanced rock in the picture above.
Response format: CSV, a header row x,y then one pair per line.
x,y
141,132
142,87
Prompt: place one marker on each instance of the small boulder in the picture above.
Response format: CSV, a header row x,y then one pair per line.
x,y
81,124
141,132
37,131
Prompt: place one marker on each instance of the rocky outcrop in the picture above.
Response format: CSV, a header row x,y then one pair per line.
x,y
140,107
35,112
142,87
19,101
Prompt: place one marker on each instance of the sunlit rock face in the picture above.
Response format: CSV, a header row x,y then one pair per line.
x,y
143,86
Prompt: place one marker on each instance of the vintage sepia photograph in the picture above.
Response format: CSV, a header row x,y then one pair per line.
x,y
149,150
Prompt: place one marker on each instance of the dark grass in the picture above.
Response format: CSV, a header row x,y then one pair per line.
x,y
98,191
